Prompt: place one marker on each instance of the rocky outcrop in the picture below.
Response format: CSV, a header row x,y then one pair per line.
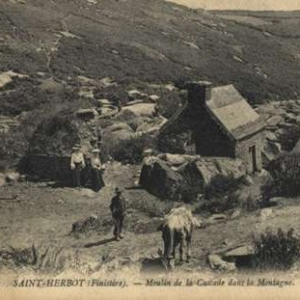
x,y
186,173
283,127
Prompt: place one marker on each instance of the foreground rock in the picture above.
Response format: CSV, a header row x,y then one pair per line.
x,y
85,225
232,258
218,264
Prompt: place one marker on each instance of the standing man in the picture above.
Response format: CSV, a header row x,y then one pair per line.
x,y
77,165
118,208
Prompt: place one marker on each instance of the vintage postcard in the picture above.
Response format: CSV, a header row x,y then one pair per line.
x,y
149,149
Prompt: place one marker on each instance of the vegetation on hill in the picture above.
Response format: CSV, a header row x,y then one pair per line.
x,y
135,43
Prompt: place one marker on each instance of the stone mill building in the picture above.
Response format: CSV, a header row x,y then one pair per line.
x,y
215,122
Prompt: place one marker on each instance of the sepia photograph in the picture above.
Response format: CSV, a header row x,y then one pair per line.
x,y
149,149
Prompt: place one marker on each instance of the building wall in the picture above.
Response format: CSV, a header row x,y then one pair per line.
x,y
242,151
210,140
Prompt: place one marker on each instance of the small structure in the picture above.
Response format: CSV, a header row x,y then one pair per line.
x,y
216,122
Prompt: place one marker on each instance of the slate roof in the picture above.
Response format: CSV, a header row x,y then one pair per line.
x,y
233,113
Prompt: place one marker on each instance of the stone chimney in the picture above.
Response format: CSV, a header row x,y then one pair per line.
x,y
199,92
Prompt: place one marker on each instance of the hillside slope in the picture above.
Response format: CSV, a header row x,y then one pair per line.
x,y
143,40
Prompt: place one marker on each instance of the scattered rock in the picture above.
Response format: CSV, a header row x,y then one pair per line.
x,y
170,87
88,193
2,180
92,1
86,93
41,74
286,125
218,264
7,77
175,159
238,59
275,201
136,94
151,126
248,180
69,35
236,214
103,102
271,136
216,218
263,173
275,120
86,224
266,213
107,82
119,126
12,177
154,98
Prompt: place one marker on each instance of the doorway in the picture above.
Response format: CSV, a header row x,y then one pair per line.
x,y
252,152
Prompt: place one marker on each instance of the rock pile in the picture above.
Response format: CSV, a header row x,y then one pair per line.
x,y
283,126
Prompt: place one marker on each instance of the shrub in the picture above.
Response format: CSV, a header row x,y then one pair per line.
x,y
128,151
276,250
285,172
218,205
169,103
221,185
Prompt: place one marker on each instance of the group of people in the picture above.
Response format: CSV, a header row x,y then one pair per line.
x,y
78,164
117,205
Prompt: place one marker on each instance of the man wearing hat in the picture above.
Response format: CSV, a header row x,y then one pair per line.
x,y
77,164
118,208
97,170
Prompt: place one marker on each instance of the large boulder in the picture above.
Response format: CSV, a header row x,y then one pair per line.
x,y
179,159
209,168
118,126
270,151
159,179
218,264
152,125
142,109
116,133
275,120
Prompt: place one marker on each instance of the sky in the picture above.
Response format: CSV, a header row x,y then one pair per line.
x,y
242,4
